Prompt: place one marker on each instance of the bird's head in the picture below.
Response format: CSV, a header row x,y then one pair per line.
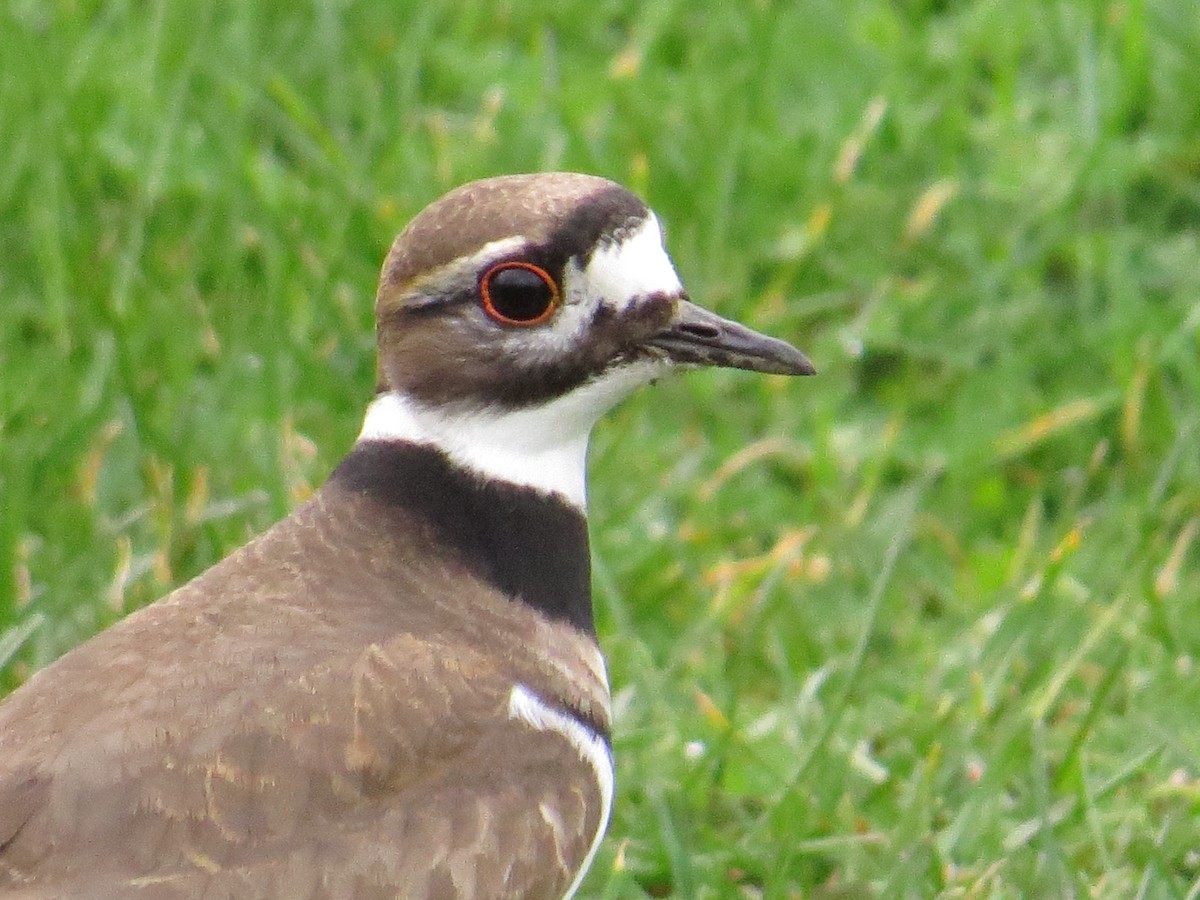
x,y
528,305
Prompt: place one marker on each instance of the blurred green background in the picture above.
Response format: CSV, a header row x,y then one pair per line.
x,y
925,625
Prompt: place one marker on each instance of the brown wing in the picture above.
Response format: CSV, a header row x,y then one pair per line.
x,y
404,780
269,745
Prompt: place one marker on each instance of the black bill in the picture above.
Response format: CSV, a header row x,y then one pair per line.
x,y
695,336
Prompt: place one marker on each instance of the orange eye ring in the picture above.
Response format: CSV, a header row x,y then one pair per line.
x,y
519,293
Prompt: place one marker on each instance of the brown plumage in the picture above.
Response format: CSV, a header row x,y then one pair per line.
x,y
352,750
396,692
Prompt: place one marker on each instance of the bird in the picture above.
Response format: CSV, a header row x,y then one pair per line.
x,y
397,690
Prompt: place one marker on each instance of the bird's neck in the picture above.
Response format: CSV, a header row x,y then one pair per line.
x,y
530,545
542,448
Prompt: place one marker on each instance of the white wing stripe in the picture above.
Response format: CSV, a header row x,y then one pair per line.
x,y
525,705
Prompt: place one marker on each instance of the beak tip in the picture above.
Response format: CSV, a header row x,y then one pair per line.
x,y
788,360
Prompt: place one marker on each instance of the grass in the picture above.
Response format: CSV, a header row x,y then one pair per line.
x,y
922,626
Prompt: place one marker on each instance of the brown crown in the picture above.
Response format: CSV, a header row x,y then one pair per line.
x,y
559,215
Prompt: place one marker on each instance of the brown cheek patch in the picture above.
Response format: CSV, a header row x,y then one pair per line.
x,y
435,361
447,357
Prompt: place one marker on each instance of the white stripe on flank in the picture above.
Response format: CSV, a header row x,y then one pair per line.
x,y
527,706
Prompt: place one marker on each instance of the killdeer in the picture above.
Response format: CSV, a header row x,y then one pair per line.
x,y
397,690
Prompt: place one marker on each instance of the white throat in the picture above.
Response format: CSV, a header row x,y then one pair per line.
x,y
542,447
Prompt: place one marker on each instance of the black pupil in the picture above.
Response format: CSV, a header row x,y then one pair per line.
x,y
519,294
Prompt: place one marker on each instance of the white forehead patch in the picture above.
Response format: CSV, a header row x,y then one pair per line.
x,y
634,267
617,276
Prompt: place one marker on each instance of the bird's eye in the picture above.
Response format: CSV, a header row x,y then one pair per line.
x,y
518,293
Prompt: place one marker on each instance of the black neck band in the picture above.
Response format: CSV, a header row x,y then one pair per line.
x,y
530,545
